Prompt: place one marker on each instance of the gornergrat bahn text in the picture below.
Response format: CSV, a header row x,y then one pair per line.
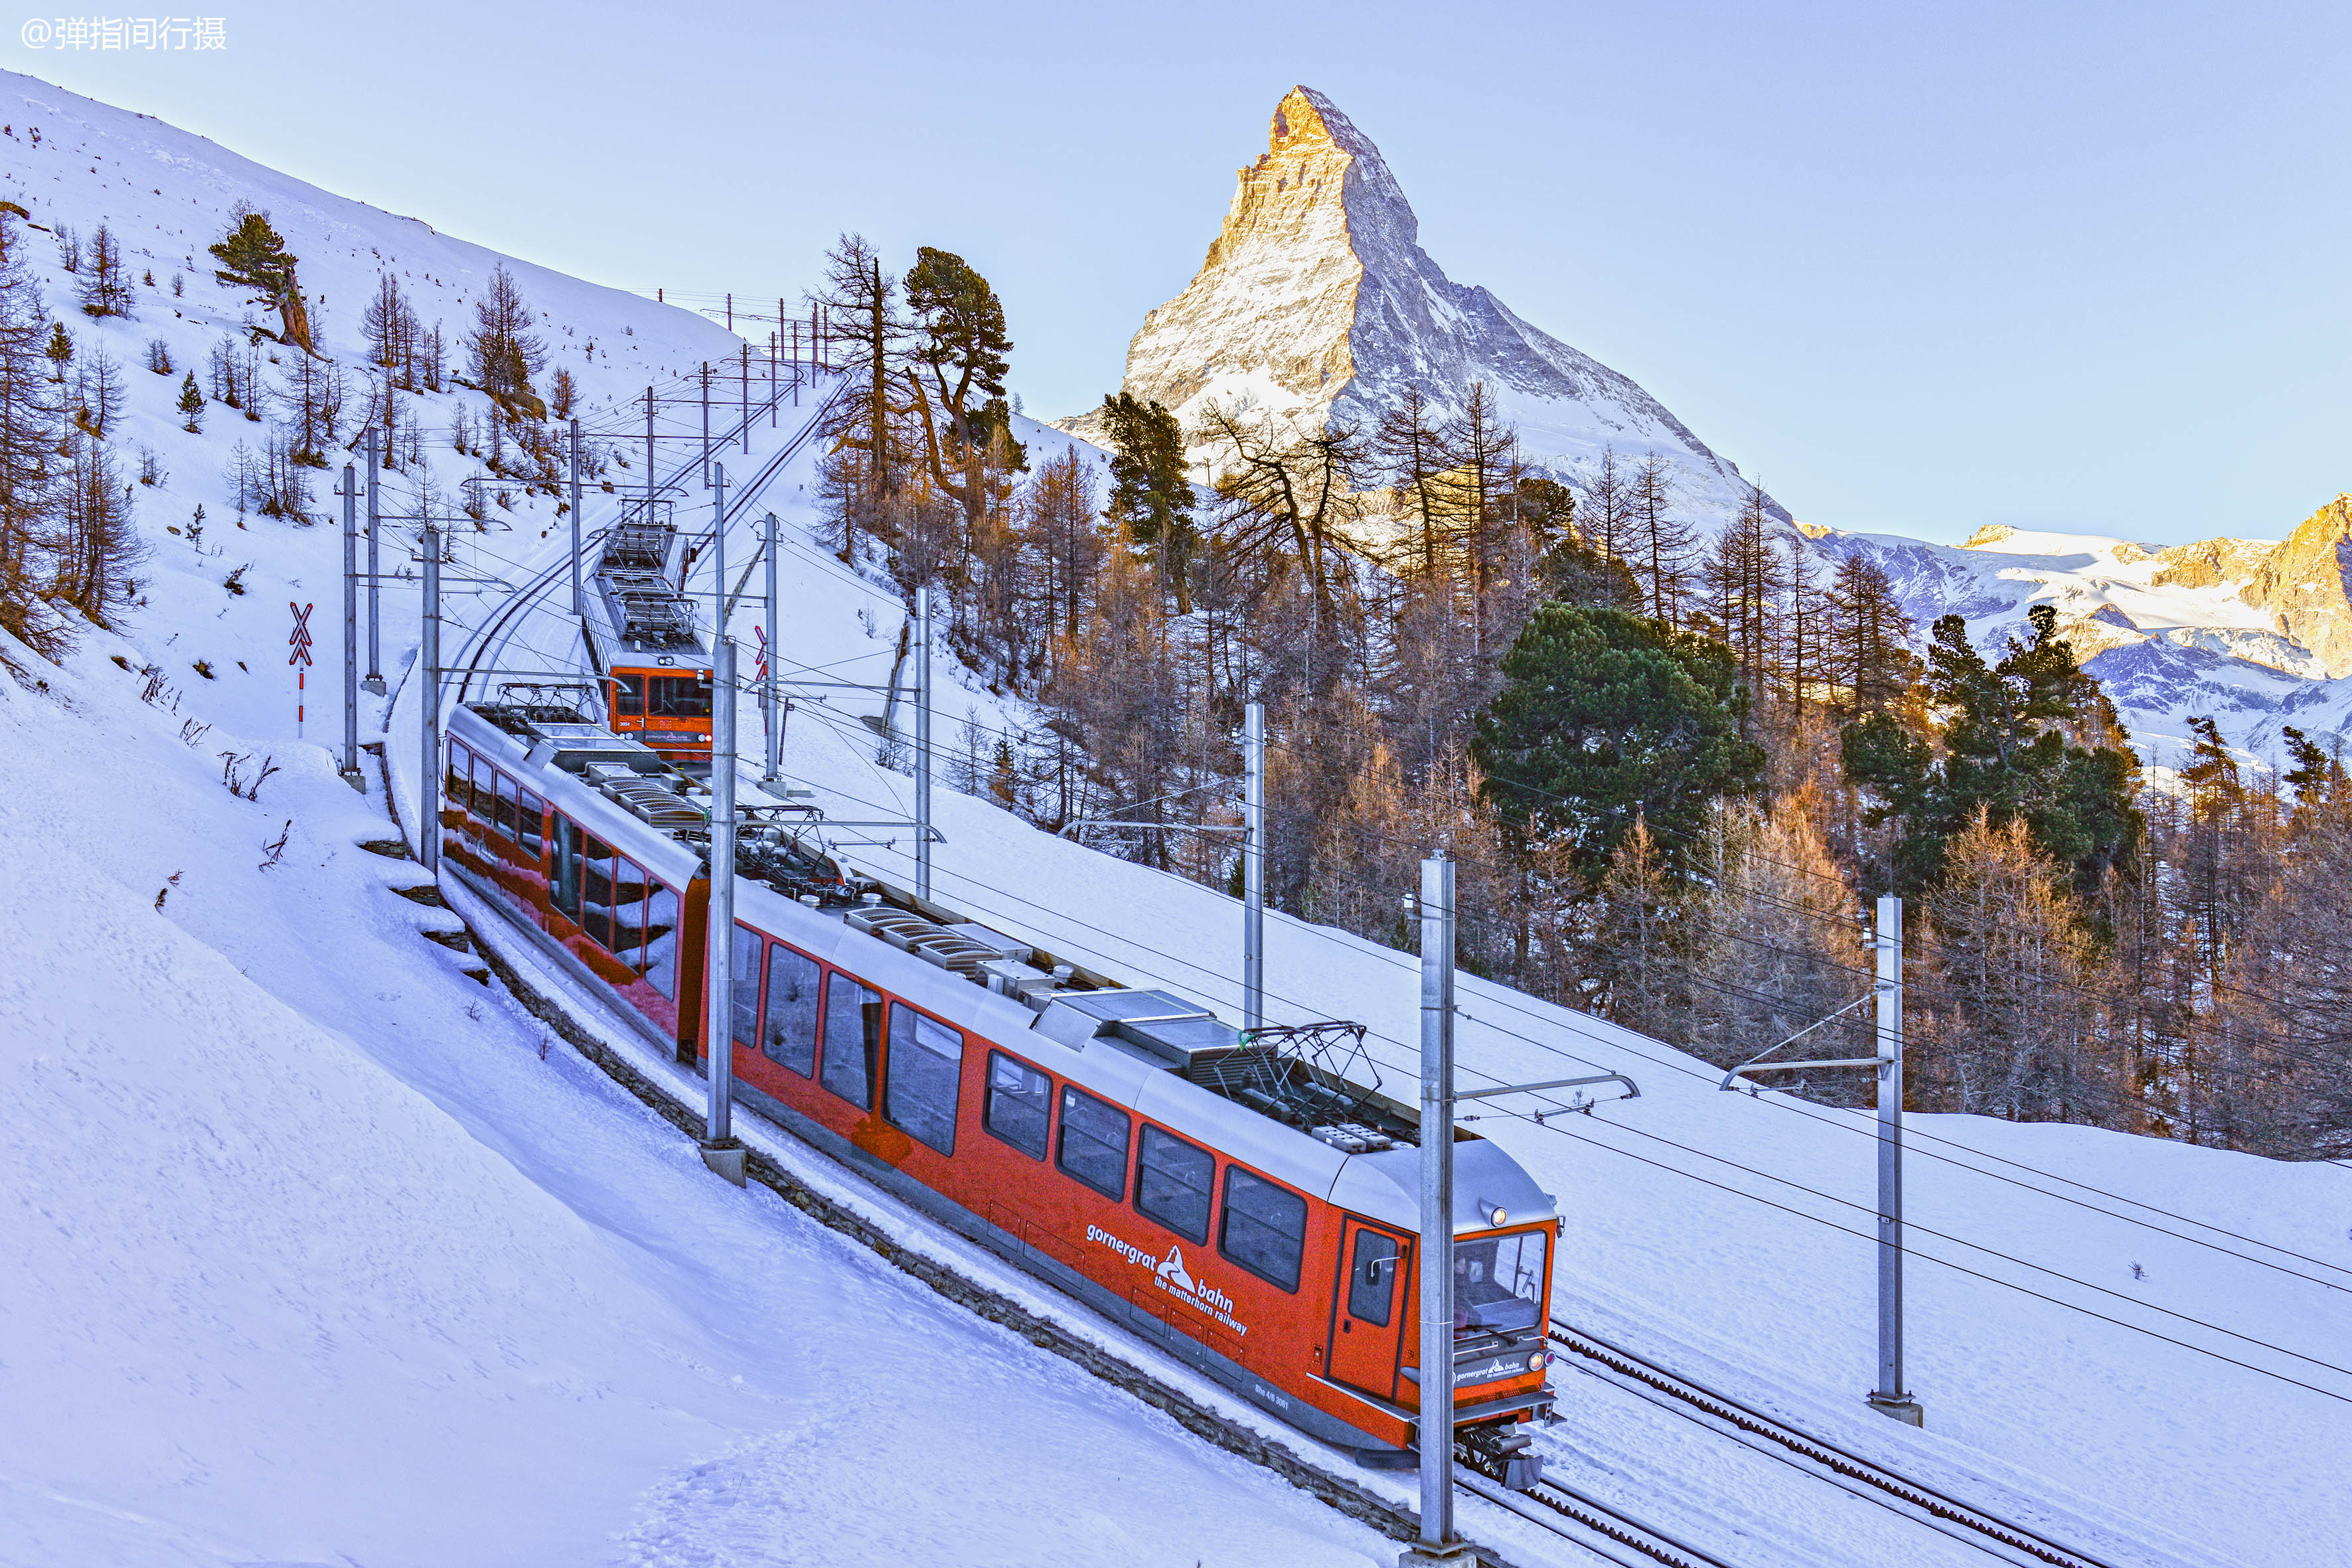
x,y
1236,1201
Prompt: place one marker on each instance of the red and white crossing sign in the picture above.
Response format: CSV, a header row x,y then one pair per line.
x,y
299,642
760,663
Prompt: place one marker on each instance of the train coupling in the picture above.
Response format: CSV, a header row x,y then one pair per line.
x,y
1501,1452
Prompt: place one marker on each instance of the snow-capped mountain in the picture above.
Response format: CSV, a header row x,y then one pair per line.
x,y
1316,303
2256,633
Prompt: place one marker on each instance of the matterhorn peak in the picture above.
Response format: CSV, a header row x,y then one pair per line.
x,y
1315,305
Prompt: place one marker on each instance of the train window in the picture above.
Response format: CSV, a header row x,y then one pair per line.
x,y
1020,1104
597,890
530,822
1093,1143
743,985
661,936
629,696
1265,1227
679,697
505,820
1172,1183
458,790
1498,1284
565,893
628,911
926,1073
482,803
853,1038
790,1038
1371,1277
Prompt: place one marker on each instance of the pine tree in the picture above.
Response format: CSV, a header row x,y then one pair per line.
x,y
1151,489
60,351
956,372
191,405
253,255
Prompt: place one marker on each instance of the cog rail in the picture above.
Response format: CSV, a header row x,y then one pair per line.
x,y
1844,1467
1601,1530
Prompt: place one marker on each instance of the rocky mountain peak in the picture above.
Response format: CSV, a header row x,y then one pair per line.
x,y
1316,304
2306,585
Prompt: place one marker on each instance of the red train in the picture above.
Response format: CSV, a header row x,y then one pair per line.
x,y
1245,1211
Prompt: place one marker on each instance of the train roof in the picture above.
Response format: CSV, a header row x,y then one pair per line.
x,y
1153,1051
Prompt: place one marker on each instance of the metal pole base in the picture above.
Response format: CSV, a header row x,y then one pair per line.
x,y
727,1157
1899,1407
352,777
1452,1554
373,683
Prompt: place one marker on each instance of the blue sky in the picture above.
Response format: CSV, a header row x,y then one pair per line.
x,y
1918,268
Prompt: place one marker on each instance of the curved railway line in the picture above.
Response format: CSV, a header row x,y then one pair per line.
x,y
1597,1529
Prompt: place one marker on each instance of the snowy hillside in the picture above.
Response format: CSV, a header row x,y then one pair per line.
x,y
319,1252
2170,632
326,1253
1317,304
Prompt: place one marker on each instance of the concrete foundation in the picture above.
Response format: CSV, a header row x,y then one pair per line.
x,y
727,1158
1906,1411
1454,1554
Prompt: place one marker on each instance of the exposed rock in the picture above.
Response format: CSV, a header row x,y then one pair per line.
x,y
2304,585
1317,304
2210,560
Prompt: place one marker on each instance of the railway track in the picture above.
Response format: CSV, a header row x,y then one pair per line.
x,y
1838,1465
1599,1528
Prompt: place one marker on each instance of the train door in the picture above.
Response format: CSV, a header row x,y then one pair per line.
x,y
1368,1311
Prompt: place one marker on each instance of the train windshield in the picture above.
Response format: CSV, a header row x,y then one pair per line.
x,y
1498,1283
678,696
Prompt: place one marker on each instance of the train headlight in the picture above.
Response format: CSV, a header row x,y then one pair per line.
x,y
1497,1216
1536,1360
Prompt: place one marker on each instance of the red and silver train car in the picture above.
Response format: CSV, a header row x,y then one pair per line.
x,y
653,668
1121,1143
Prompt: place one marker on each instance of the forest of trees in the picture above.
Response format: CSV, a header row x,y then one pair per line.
x,y
1673,763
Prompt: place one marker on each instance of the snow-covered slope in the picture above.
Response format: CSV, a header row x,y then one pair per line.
x,y
317,1251
2192,629
1316,303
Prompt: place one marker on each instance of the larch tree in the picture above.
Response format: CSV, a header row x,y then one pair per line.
x,y
253,255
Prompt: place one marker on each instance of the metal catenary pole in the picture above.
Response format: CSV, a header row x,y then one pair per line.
x,y
706,424
719,1146
747,396
375,515
649,455
428,697
1891,1396
579,605
1436,1211
350,764
775,729
923,746
1254,867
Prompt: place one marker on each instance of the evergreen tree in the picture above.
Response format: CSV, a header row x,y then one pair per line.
x,y
1606,719
2006,753
1151,489
253,255
191,405
60,351
956,368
